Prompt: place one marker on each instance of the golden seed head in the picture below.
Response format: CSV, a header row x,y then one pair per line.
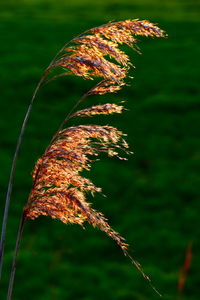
x,y
59,189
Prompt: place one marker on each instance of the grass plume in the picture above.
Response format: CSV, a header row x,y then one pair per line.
x,y
59,189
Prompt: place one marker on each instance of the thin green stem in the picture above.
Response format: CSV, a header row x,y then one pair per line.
x,y
71,114
12,274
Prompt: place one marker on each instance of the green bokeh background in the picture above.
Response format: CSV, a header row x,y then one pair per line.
x,y
153,199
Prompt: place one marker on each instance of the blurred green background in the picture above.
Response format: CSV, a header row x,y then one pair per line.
x,y
153,199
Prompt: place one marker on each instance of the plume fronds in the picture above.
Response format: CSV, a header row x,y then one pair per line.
x,y
89,55
59,189
105,109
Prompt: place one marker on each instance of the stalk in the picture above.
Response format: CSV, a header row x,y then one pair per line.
x,y
71,114
12,274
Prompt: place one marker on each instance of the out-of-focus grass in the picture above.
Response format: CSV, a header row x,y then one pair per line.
x,y
153,199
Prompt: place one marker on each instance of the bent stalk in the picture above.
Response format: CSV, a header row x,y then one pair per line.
x,y
12,274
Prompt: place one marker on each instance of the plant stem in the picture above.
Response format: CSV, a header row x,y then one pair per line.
x,y
12,172
71,114
12,274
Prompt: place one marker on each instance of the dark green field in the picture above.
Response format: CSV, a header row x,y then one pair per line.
x,y
153,199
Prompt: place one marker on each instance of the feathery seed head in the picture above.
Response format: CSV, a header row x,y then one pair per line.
x,y
57,172
59,189
86,55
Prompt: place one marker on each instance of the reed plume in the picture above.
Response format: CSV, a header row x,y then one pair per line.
x,y
59,189
87,55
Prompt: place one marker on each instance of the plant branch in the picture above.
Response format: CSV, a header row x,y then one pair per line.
x,y
71,114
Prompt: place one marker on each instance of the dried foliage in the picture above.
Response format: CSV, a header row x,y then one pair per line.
x,y
185,268
59,190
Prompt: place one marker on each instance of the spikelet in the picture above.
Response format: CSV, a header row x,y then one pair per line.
x,y
105,109
59,189
106,86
